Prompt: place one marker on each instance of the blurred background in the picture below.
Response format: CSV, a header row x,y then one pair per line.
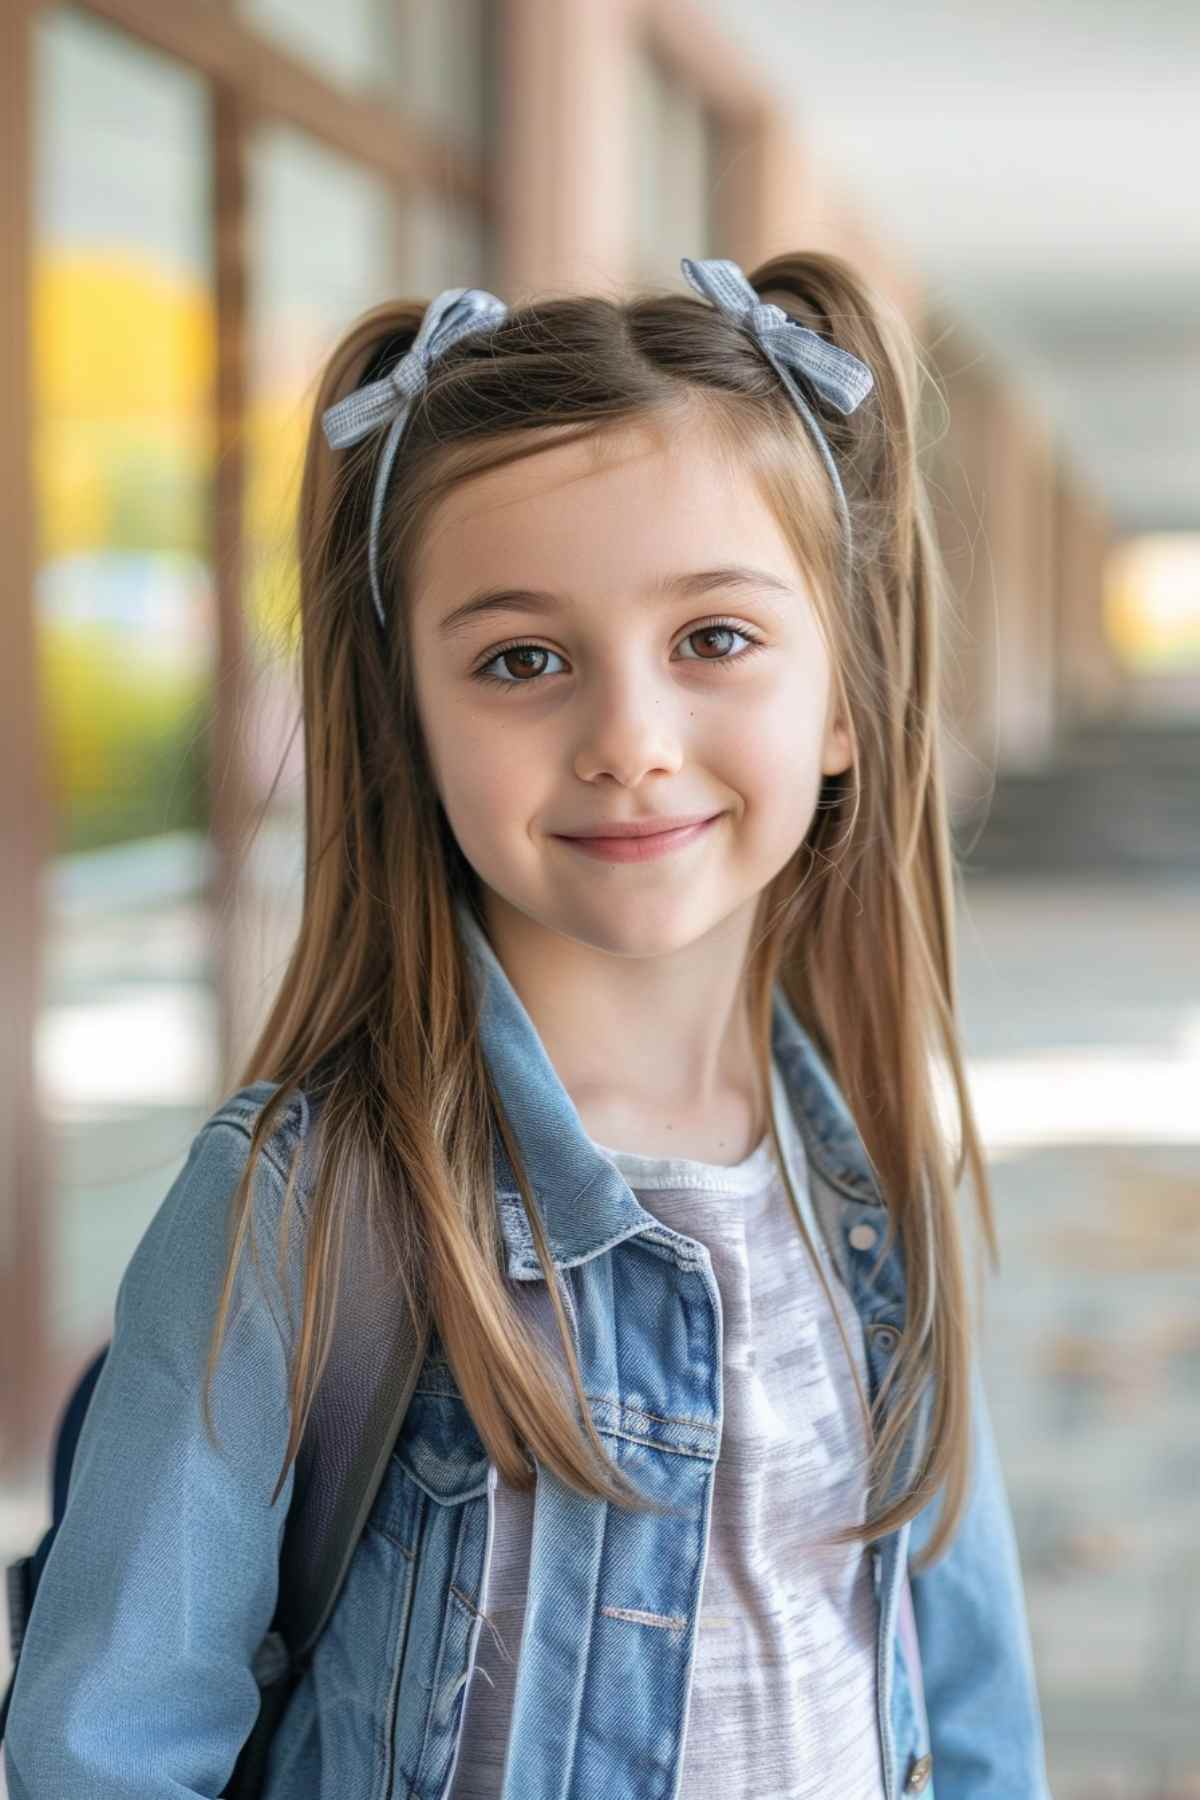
x,y
201,195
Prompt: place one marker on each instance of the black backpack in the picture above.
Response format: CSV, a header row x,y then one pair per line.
x,y
24,1575
339,1467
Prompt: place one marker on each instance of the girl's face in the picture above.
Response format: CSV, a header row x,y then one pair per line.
x,y
621,670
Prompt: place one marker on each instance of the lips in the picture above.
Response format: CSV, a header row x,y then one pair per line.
x,y
641,846
636,828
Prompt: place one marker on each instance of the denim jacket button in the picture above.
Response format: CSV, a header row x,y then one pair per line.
x,y
919,1774
862,1236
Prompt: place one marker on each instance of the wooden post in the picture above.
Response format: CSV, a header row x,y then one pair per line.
x,y
230,792
25,822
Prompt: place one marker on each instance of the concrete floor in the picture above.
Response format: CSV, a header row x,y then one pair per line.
x,y
1080,1004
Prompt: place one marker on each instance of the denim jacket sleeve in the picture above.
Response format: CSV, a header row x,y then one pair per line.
x,y
135,1680
976,1656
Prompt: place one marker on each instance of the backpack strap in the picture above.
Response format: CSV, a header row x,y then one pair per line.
x,y
325,1521
376,1354
357,1416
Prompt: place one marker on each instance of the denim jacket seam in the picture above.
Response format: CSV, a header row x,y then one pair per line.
x,y
268,1151
846,1182
642,1412
628,1437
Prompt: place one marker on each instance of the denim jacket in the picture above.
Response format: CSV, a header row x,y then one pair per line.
x,y
137,1677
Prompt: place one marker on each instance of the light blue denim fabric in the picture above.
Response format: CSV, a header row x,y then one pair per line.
x,y
137,1677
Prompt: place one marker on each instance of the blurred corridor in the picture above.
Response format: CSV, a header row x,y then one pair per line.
x,y
1081,1007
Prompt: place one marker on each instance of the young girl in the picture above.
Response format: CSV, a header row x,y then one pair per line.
x,y
625,959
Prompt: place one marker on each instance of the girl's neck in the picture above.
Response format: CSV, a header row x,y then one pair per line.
x,y
656,1049
726,1132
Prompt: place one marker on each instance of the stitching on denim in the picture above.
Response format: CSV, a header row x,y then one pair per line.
x,y
231,1115
530,1265
236,1124
459,1498
628,1437
404,1549
642,1412
613,1400
466,1601
572,1312
398,1634
443,1639
669,1621
580,1698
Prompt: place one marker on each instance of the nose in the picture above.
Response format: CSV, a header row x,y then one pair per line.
x,y
629,728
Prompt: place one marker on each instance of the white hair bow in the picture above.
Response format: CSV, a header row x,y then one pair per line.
x,y
838,376
454,314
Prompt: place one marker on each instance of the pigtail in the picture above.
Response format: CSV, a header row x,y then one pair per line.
x,y
872,970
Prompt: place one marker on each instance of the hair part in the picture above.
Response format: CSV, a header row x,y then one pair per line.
x,y
375,1016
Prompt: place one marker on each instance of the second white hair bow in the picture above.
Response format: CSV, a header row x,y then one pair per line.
x,y
839,376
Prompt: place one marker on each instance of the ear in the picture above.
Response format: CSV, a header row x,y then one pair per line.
x,y
836,752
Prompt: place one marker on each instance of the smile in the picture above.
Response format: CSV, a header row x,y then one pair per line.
x,y
640,849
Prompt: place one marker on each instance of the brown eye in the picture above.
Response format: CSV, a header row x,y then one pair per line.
x,y
721,629
504,657
712,631
523,650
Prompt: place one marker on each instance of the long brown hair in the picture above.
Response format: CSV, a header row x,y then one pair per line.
x,y
374,1015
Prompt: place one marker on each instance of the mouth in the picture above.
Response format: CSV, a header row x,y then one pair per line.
x,y
645,846
636,828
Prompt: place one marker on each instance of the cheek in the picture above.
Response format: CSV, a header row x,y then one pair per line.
x,y
488,780
781,735
471,767
775,764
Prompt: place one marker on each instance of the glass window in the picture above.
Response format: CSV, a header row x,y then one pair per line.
x,y
328,241
677,145
431,56
123,342
442,246
323,246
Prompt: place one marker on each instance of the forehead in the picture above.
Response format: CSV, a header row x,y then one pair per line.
x,y
625,504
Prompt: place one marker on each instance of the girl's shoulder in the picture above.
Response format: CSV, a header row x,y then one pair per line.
x,y
190,1228
290,1130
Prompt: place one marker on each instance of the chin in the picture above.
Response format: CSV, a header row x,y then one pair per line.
x,y
635,929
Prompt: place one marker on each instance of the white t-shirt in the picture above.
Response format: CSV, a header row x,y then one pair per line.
x,y
783,1696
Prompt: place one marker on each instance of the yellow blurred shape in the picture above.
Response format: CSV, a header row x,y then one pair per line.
x,y
1152,601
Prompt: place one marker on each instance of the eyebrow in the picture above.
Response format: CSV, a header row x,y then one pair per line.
x,y
536,600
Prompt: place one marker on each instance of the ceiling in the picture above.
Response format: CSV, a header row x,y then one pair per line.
x,y
1040,166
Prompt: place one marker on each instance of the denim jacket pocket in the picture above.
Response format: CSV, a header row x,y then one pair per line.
x,y
378,1712
432,1509
440,1449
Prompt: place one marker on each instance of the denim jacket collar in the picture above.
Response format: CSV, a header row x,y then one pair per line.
x,y
585,1202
